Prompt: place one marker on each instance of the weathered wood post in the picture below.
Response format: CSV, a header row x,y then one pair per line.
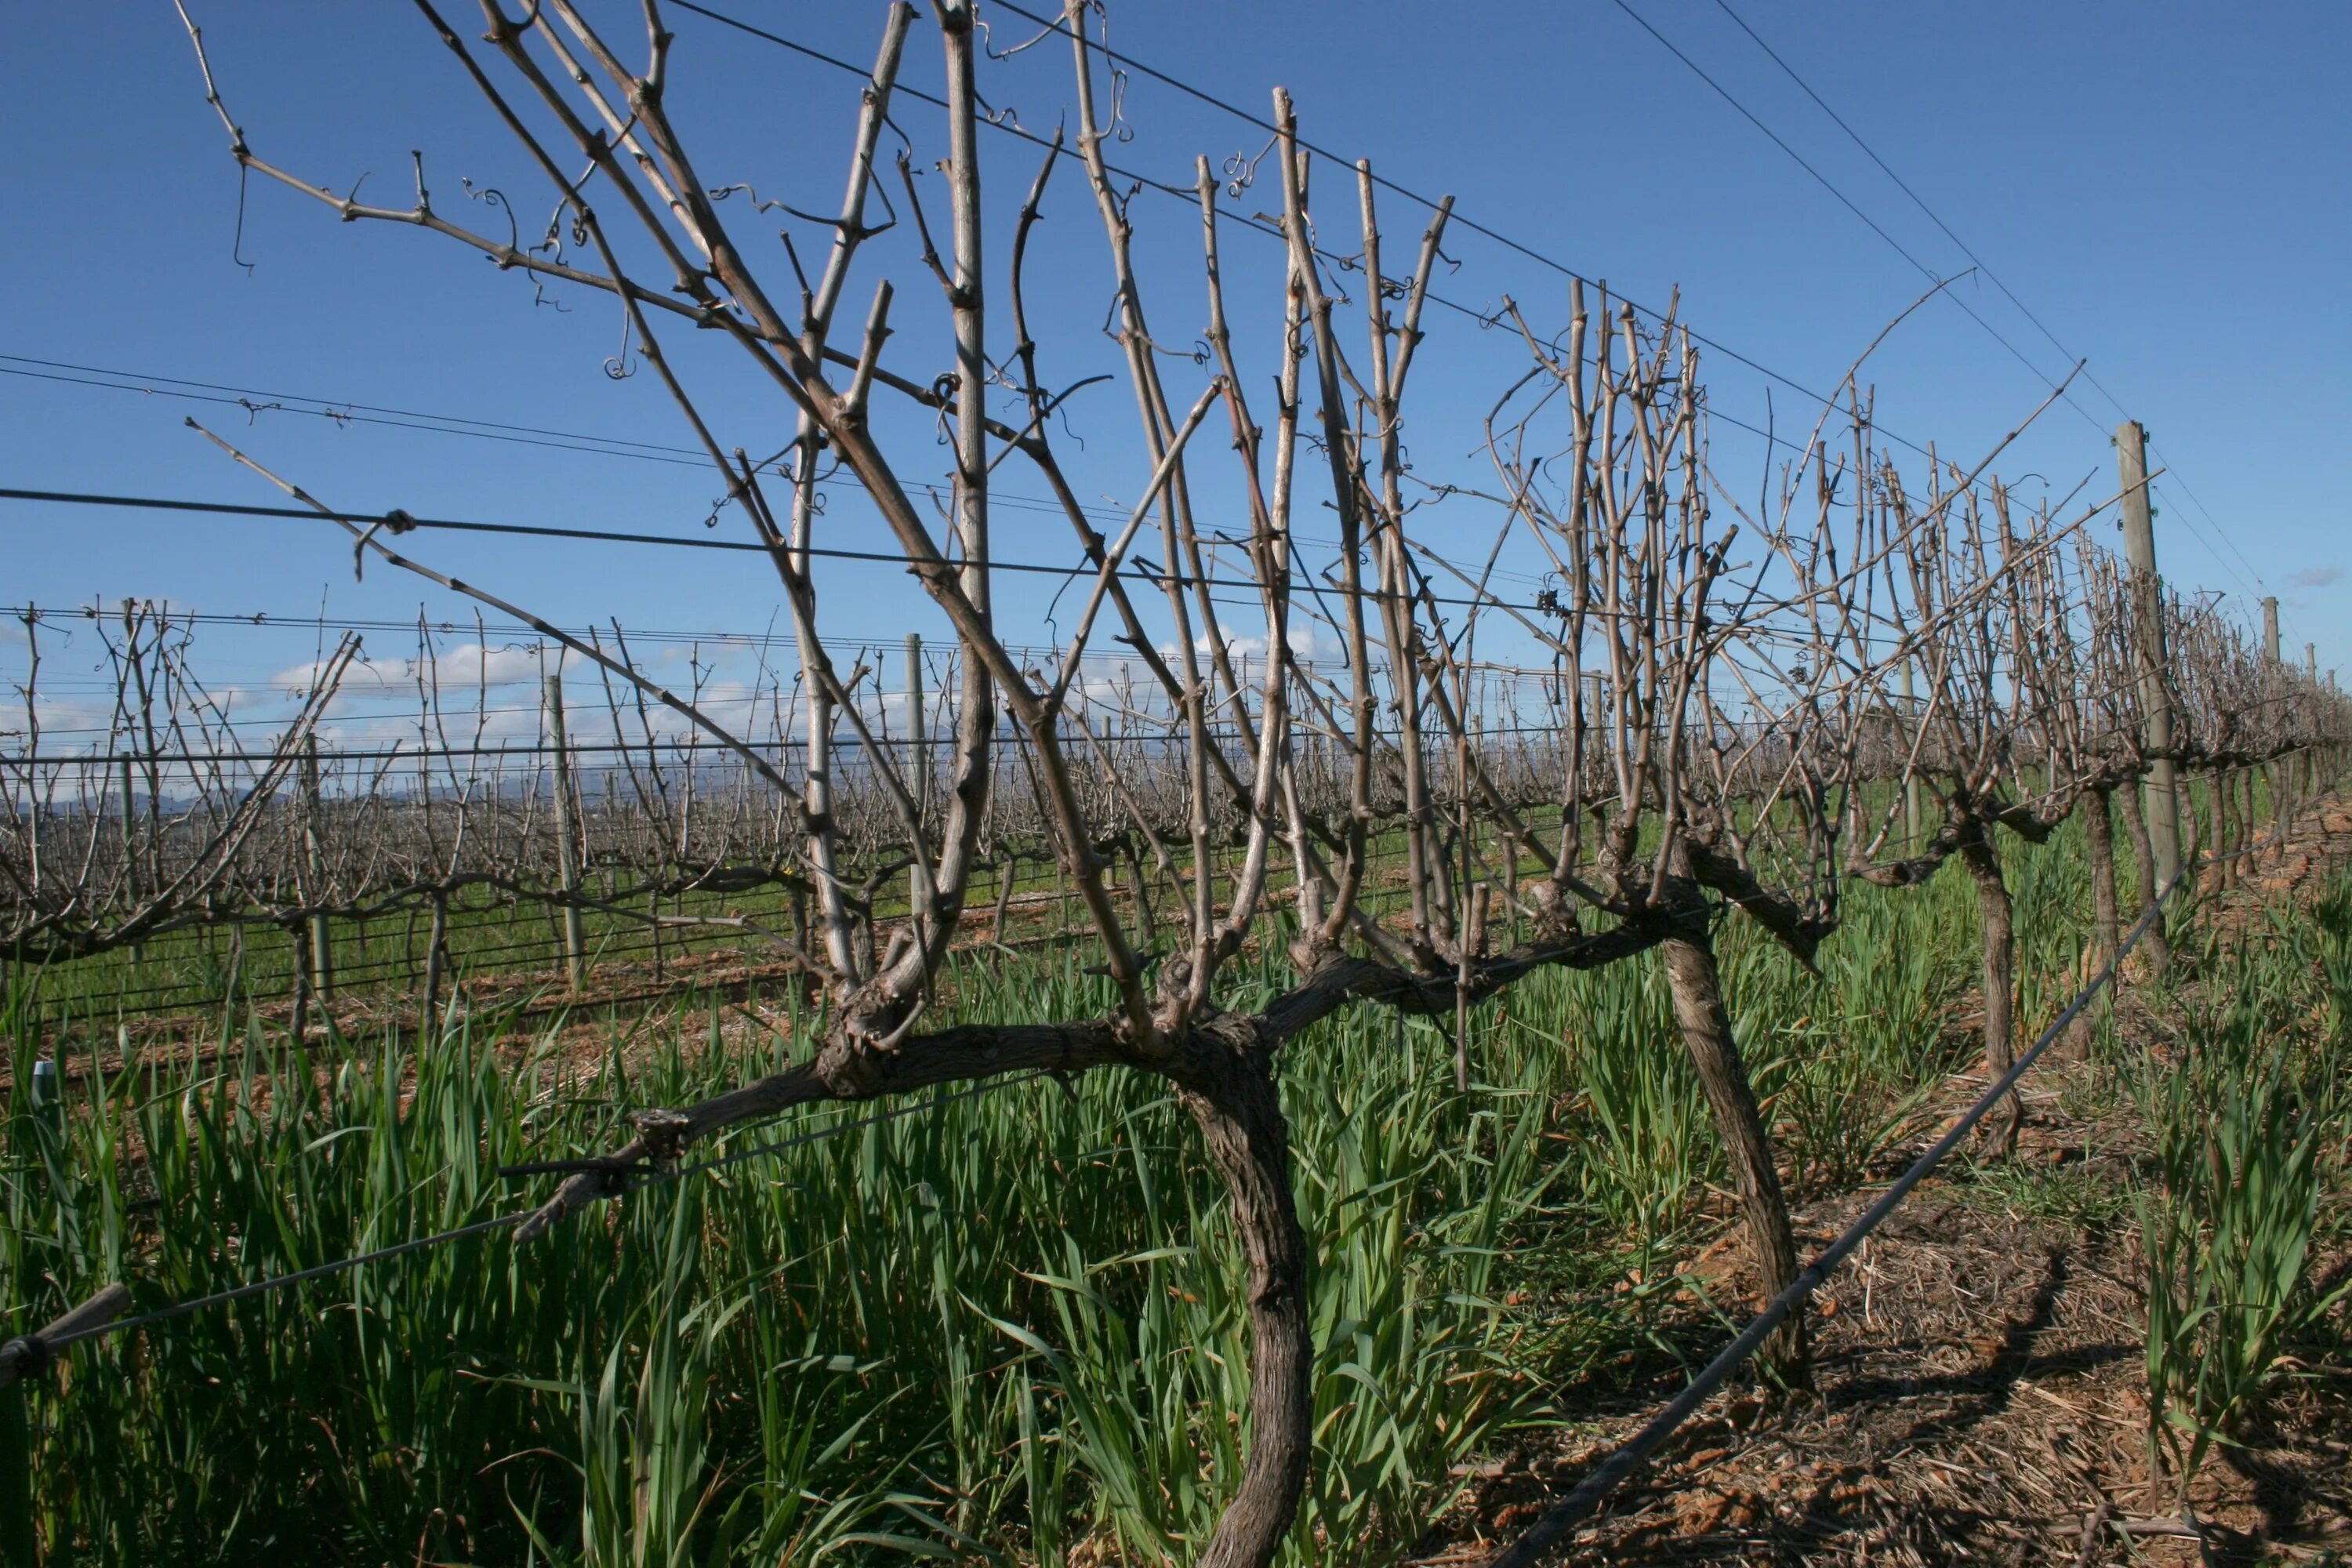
x,y
2155,689
1913,811
130,859
19,1547
2311,758
919,760
2280,773
567,837
314,862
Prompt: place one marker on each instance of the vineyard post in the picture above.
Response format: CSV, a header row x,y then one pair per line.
x,y
19,1546
2156,690
20,1360
130,859
2280,773
567,839
299,1010
2311,758
918,759
1915,789
436,943
1911,788
314,860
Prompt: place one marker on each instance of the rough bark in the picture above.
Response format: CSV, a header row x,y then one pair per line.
x,y
1233,1100
2154,944
1697,986
1996,921
2225,826
2099,840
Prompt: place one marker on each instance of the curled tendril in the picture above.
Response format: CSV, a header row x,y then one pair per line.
x,y
550,243
618,367
1390,287
1008,116
988,39
1121,129
253,411
1240,169
236,238
495,198
550,240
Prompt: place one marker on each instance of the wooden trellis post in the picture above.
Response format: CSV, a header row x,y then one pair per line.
x,y
567,839
2155,689
129,858
19,1547
918,759
2279,774
314,860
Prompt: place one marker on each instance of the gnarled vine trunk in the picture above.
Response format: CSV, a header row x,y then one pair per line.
x,y
1696,982
1233,1100
1997,923
2106,934
2154,944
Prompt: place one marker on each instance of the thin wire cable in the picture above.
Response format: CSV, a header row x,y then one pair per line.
x,y
1916,199
1849,204
337,411
1925,270
1192,198
74,618
1979,262
1144,575
504,1222
341,412
571,441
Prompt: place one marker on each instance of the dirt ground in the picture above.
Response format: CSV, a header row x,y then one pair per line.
x,y
1980,1391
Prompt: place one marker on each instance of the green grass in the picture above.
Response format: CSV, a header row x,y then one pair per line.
x,y
932,1333
2248,1135
990,1331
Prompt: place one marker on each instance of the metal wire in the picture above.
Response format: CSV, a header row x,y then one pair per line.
x,y
504,1222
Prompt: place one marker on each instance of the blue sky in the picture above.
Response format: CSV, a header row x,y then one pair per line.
x,y
2165,186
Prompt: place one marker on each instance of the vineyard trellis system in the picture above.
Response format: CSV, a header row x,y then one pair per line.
x,y
1734,709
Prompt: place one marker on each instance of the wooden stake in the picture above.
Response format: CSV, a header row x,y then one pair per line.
x,y
19,1547
314,860
2155,689
567,837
